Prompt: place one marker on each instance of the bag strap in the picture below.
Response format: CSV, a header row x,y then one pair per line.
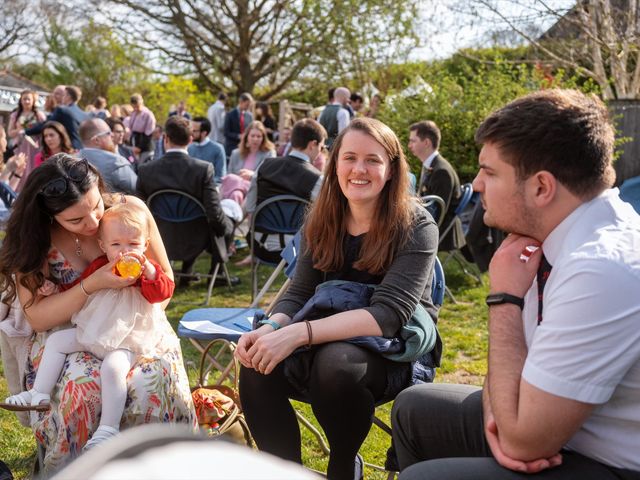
x,y
204,356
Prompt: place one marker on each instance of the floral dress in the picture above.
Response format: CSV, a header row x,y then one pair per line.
x,y
158,391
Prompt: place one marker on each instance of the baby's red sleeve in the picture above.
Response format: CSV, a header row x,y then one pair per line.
x,y
159,289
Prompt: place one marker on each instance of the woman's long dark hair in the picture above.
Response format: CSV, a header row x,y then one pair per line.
x,y
65,142
28,233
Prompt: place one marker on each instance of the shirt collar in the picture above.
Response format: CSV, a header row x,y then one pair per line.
x,y
299,154
552,245
181,150
429,160
203,142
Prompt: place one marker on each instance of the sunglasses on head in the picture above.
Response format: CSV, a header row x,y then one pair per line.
x,y
76,173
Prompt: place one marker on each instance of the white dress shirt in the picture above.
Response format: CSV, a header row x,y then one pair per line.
x,y
587,347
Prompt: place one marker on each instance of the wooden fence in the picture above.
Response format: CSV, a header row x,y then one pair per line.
x,y
626,115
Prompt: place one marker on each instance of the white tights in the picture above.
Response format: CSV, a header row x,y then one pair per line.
x,y
113,372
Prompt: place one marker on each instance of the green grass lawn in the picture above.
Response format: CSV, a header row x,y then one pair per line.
x,y
462,327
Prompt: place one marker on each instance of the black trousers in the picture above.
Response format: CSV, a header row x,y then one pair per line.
x,y
344,383
438,433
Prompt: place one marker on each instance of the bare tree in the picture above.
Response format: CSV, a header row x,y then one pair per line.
x,y
598,38
16,23
244,44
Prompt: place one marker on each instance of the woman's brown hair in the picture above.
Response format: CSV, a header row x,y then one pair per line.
x,y
266,144
65,142
28,239
326,226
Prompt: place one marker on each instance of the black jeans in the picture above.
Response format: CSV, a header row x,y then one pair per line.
x,y
438,433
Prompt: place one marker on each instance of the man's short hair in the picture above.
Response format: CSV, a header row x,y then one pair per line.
x,y
245,96
178,130
100,102
90,128
564,132
136,98
75,94
222,96
113,121
305,131
427,129
356,97
205,124
330,93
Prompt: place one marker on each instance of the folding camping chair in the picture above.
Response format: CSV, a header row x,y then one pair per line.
x,y
280,216
204,325
185,232
435,206
630,192
7,195
456,254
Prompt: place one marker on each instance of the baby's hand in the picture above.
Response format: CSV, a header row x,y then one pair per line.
x,y
149,272
48,288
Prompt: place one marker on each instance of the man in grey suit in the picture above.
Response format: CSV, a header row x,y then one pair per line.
x,y
100,151
437,178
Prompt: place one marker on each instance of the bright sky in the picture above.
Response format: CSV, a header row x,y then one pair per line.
x,y
449,25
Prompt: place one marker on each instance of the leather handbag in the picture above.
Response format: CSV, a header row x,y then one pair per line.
x,y
218,406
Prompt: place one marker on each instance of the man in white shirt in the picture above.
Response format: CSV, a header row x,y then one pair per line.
x,y
215,114
562,395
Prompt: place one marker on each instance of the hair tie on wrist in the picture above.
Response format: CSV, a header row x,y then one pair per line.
x,y
84,290
310,332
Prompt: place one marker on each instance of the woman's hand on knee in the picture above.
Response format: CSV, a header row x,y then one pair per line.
x,y
269,350
246,342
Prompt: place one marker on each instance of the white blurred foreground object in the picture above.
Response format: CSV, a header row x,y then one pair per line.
x,y
174,452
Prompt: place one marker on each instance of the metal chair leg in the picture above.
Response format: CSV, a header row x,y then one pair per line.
x,y
315,432
212,281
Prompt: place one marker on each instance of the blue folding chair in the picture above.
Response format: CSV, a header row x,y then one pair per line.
x,y
468,268
7,195
280,216
435,206
630,192
204,325
185,232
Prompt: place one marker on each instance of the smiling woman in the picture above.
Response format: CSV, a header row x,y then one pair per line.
x,y
51,239
364,228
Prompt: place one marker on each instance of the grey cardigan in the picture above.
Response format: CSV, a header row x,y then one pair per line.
x,y
403,286
236,162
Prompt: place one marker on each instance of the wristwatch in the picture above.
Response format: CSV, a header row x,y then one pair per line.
x,y
501,298
267,321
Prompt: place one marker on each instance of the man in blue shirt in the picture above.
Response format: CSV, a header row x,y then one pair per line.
x,y
203,148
